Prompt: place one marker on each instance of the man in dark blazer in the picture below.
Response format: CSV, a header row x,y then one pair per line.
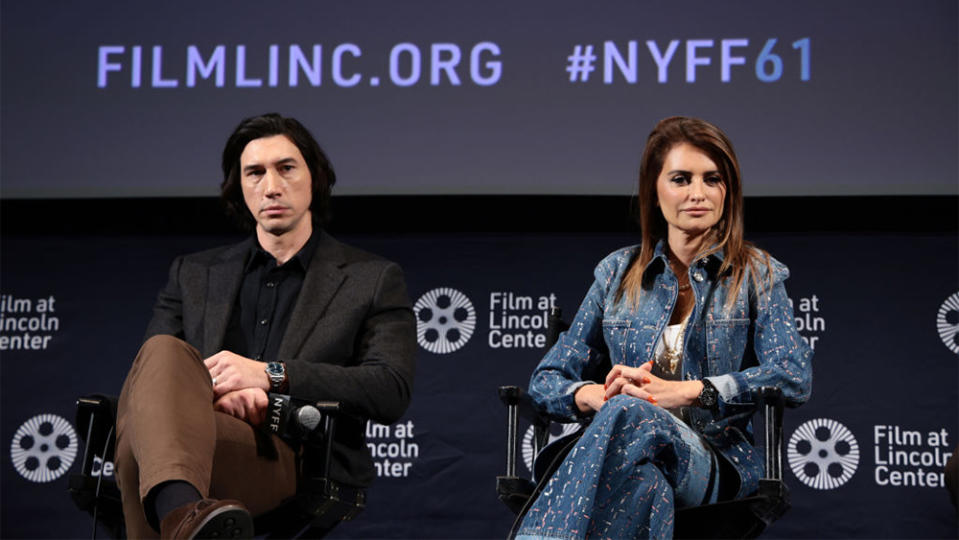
x,y
290,311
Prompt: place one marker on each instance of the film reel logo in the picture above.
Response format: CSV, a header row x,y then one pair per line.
x,y
43,448
947,322
823,453
561,430
445,320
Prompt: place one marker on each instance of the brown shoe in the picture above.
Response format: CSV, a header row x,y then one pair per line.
x,y
208,518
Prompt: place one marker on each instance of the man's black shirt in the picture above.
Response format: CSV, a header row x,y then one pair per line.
x,y
265,301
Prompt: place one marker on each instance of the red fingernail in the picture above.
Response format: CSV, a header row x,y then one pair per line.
x,y
651,399
605,398
646,380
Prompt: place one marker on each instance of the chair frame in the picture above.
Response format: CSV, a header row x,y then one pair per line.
x,y
319,504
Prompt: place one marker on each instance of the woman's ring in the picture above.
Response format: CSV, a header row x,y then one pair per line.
x,y
214,381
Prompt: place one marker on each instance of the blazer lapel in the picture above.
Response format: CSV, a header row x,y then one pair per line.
x,y
323,279
223,281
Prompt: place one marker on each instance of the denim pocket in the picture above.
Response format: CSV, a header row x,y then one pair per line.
x,y
618,336
725,344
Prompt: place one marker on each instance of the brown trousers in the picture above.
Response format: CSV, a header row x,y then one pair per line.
x,y
167,430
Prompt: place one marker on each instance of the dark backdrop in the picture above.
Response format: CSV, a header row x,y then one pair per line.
x,y
874,281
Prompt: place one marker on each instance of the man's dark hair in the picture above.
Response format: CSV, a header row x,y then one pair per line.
x,y
268,125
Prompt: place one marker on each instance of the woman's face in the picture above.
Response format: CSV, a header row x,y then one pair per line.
x,y
690,191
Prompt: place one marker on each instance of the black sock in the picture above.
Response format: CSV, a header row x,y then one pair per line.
x,y
171,495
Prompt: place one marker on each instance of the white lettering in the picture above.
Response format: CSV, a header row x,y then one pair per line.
x,y
136,70
158,81
727,59
662,60
692,60
195,63
414,67
612,56
274,73
311,69
241,80
494,67
447,65
100,467
338,53
104,65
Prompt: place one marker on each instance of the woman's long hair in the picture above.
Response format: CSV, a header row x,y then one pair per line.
x,y
726,235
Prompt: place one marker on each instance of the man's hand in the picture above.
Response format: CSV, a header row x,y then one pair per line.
x,y
231,371
248,404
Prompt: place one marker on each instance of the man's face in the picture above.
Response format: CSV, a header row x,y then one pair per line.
x,y
277,185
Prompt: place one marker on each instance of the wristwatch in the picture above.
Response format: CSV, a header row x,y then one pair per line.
x,y
709,396
276,371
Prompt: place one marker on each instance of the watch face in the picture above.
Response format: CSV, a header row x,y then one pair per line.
x,y
709,399
275,369
708,395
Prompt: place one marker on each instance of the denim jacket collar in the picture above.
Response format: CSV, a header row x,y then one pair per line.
x,y
711,263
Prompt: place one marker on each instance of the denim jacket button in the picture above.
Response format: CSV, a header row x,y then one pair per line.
x,y
698,276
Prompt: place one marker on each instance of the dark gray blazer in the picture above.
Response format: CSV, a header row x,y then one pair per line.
x,y
351,336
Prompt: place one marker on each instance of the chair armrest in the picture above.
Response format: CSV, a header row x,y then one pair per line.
x,y
772,403
518,403
314,426
515,396
510,396
95,419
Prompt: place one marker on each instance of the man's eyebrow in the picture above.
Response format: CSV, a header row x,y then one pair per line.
x,y
255,166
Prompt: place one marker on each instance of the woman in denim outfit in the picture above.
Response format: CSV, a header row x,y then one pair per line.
x,y
694,321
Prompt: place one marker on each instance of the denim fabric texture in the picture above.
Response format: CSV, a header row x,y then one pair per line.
x,y
633,463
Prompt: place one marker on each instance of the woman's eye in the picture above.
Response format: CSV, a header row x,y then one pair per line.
x,y
679,179
714,180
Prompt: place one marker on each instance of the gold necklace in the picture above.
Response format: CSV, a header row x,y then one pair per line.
x,y
672,355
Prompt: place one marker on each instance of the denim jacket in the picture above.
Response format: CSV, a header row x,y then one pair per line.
x,y
753,344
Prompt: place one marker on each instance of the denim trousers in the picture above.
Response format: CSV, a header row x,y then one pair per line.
x,y
634,464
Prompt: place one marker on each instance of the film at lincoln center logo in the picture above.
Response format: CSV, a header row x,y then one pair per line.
x,y
43,448
445,320
823,453
947,322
